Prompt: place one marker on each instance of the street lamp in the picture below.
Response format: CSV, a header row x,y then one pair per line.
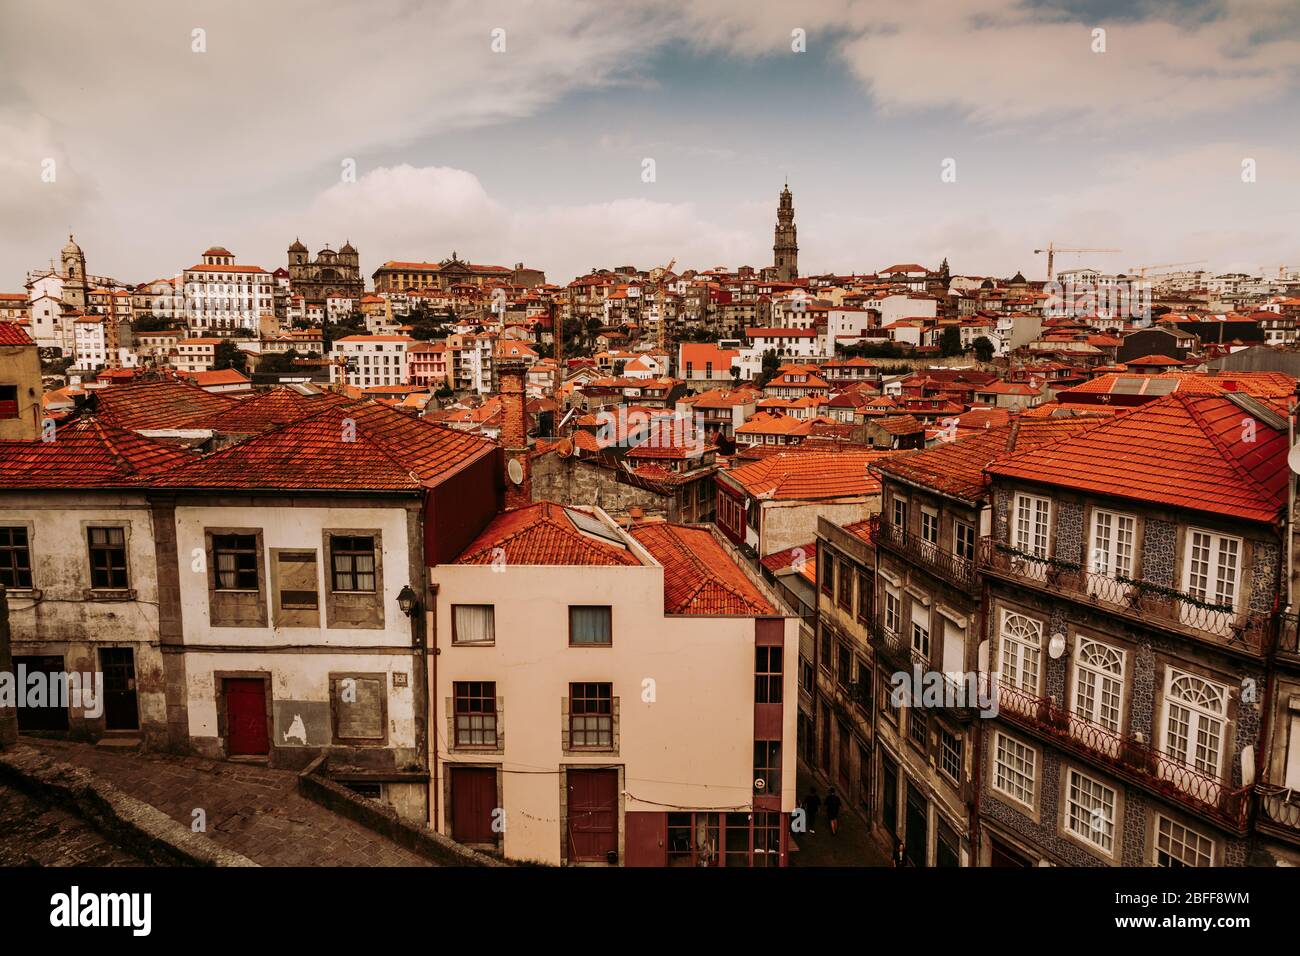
x,y
407,601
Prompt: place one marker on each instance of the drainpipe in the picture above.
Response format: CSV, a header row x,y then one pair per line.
x,y
431,670
8,715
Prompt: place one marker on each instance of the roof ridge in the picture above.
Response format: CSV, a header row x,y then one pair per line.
x,y
1221,446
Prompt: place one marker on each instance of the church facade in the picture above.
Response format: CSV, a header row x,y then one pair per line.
x,y
331,272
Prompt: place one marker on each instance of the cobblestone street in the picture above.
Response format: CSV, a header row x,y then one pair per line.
x,y
34,834
852,846
250,809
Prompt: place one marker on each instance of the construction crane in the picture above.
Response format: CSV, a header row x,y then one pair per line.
x,y
1142,270
657,279
1053,249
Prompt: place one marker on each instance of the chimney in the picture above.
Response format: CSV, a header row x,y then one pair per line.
x,y
514,433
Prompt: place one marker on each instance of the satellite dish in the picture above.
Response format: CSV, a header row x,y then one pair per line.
x,y
515,471
1056,647
760,784
564,447
1248,765
1293,459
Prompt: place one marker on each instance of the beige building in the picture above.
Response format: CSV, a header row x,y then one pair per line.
x,y
611,698
20,384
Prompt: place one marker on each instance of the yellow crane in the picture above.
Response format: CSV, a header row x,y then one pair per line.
x,y
1053,249
657,276
1142,270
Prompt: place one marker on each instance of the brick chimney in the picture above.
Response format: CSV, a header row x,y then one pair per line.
x,y
514,432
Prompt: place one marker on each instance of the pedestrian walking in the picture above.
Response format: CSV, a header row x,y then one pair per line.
x,y
811,804
833,810
900,852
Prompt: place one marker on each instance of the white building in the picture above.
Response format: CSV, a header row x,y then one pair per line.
x,y
370,359
221,296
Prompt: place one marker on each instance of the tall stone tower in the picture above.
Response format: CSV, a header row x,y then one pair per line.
x,y
76,287
785,250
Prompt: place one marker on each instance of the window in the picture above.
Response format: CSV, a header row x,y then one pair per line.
x,y
828,572
359,706
1213,567
893,610
862,689
916,726
767,675
476,713
235,561
1022,641
693,839
1112,544
767,766
107,558
591,716
1013,768
824,648
352,558
844,670
8,401
929,526
921,630
767,838
1090,811
1031,524
846,586
1176,845
1196,712
864,596
15,558
296,577
590,625
806,676
1098,683
964,541
900,514
473,624
950,751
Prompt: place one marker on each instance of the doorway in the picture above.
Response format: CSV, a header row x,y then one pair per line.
x,y
246,732
121,709
473,800
593,815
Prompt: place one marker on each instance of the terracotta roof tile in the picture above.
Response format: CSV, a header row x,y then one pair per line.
x,y
543,534
809,475
88,453
167,404
1199,452
12,334
700,577
802,559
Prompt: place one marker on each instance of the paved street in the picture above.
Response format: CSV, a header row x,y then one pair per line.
x,y
852,846
34,834
250,809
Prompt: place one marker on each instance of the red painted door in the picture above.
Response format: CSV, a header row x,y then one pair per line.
x,y
246,716
473,799
593,815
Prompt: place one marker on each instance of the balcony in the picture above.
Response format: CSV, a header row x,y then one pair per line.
x,y
1140,602
1279,810
929,556
1127,756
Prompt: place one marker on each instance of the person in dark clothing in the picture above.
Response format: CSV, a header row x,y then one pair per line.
x,y
811,804
833,810
900,853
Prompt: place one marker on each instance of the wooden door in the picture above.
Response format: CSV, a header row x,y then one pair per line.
x,y
246,732
120,708
53,714
473,800
593,815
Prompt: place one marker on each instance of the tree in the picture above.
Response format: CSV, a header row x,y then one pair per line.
x,y
983,349
950,342
228,355
770,364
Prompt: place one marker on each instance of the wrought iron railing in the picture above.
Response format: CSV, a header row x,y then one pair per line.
x,y
1279,806
929,555
1145,601
1127,755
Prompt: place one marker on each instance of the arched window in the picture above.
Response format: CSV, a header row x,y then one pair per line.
x,y
1021,638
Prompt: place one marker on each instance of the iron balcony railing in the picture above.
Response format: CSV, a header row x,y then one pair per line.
x,y
1279,806
1137,600
1126,755
930,556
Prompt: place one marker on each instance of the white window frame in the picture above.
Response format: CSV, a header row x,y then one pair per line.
x,y
920,632
1094,825
1199,718
957,528
900,514
1009,780
1210,585
1207,847
1100,681
893,609
1031,528
1112,544
929,526
1015,651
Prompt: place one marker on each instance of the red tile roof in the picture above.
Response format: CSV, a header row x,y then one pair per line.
x,y
1259,384
88,453
1186,451
266,410
12,334
166,404
802,559
361,447
809,475
957,468
700,577
543,534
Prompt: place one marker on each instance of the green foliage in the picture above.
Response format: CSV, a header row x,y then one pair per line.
x,y
983,348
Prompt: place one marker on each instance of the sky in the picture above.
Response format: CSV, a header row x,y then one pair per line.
x,y
520,132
